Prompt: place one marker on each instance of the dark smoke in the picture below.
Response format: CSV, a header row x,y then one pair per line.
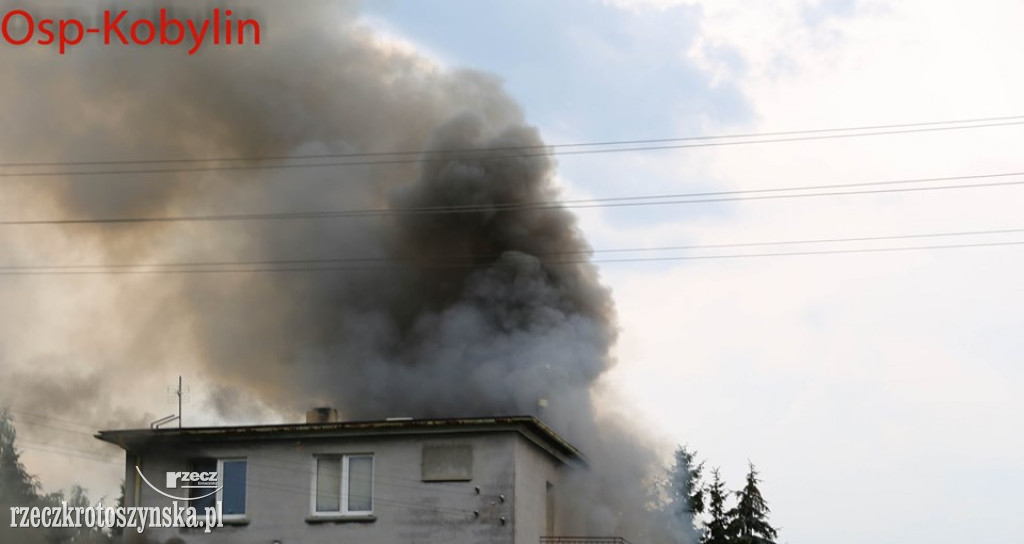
x,y
471,314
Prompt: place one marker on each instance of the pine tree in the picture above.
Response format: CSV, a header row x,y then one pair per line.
x,y
17,487
685,494
76,498
685,489
715,529
118,531
748,521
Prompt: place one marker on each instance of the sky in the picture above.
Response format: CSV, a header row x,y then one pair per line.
x,y
877,393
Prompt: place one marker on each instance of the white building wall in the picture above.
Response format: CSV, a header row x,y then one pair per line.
x,y
510,471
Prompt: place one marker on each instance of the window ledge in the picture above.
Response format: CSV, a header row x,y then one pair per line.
x,y
342,518
227,522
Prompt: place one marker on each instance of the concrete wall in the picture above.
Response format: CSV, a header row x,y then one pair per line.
x,y
510,471
534,471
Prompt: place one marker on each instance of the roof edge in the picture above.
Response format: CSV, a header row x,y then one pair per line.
x,y
530,427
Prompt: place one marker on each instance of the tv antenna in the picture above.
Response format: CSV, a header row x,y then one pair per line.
x,y
182,393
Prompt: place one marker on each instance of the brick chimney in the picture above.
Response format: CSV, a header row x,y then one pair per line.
x,y
323,414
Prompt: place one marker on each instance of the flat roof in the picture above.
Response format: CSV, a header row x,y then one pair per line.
x,y
529,427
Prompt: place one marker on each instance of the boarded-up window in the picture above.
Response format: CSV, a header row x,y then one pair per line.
x,y
447,463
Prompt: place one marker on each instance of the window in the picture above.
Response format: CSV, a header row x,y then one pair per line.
x,y
231,477
343,485
208,500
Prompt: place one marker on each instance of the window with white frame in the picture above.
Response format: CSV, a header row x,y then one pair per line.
x,y
343,485
231,491
232,476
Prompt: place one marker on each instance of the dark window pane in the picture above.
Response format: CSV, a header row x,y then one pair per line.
x,y
234,487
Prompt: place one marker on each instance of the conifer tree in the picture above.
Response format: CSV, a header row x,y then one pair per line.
x,y
748,521
685,494
715,529
685,489
17,487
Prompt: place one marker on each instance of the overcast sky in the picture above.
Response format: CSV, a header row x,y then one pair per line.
x,y
876,392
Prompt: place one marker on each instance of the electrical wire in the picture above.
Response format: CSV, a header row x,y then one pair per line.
x,y
473,154
291,467
51,427
305,471
66,454
514,148
51,418
298,467
271,486
610,202
307,491
376,263
54,448
305,468
546,263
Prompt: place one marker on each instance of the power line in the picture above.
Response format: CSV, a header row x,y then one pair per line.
x,y
610,202
264,484
477,154
303,466
803,253
515,148
377,500
45,426
392,261
55,448
68,454
59,420
300,467
207,268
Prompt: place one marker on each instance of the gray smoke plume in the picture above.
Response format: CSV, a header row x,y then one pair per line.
x,y
484,312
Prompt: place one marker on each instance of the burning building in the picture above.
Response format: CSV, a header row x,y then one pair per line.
x,y
399,480
330,216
